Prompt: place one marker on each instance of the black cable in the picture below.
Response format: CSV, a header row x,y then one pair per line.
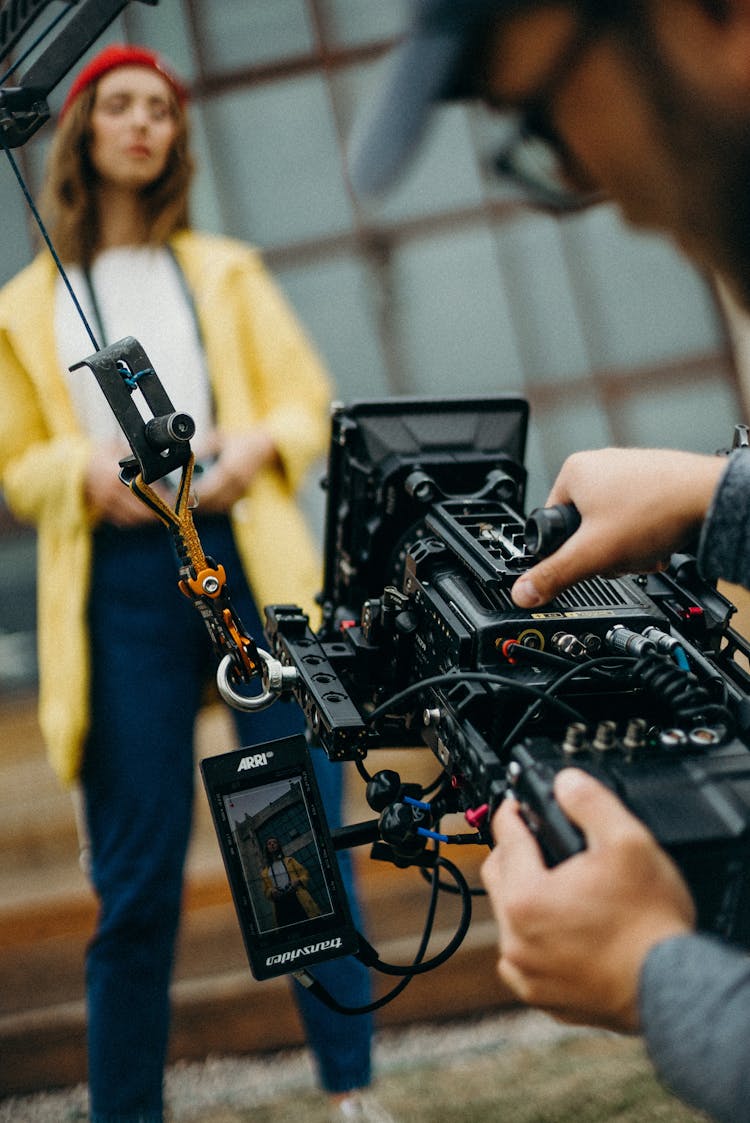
x,y
455,678
360,766
601,665
43,231
311,983
454,890
600,662
596,664
437,783
453,944
688,699
427,790
418,967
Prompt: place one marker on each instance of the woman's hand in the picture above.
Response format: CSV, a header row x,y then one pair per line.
x,y
637,507
239,457
105,492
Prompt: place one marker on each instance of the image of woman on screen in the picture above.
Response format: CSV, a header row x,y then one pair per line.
x,y
285,885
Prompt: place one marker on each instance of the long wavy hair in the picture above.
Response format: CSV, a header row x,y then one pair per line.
x,y
68,201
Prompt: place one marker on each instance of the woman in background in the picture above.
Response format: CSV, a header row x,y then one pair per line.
x,y
285,885
124,658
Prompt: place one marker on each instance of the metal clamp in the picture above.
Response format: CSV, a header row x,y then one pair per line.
x,y
276,679
161,443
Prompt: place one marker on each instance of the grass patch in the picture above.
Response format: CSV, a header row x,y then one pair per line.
x,y
587,1079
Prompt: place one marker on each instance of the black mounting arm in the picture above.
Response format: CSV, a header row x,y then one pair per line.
x,y
23,106
160,444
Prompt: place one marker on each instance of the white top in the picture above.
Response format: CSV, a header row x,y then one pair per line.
x,y
280,875
139,293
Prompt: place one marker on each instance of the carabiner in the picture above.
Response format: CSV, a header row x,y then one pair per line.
x,y
276,679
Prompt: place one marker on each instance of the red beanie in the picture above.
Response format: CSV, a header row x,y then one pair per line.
x,y
122,54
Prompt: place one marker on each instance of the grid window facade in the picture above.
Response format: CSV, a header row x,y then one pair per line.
x,y
449,284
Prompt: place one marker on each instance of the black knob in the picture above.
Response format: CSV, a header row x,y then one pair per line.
x,y
547,527
420,486
382,789
161,432
399,825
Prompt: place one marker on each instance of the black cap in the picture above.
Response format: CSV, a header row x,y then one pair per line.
x,y
432,63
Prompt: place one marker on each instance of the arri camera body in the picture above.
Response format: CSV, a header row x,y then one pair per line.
x,y
641,680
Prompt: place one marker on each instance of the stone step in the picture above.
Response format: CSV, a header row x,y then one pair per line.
x,y
219,1009
48,913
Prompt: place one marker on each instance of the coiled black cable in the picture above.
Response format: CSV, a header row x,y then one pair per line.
x,y
690,702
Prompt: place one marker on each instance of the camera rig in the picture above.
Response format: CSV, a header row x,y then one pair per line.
x,y
640,680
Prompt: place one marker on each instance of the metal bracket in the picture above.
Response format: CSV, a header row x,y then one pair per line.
x,y
160,444
23,106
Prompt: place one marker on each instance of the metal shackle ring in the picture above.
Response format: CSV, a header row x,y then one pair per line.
x,y
274,678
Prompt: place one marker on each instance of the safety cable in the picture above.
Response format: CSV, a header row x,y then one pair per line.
x,y
48,242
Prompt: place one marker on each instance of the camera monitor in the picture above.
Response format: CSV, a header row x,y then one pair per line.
x,y
390,458
279,857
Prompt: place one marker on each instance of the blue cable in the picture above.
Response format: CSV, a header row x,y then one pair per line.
x,y
417,803
432,834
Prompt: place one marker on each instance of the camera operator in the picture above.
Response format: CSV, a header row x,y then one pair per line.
x,y
647,104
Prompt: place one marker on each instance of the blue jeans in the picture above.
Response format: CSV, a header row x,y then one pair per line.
x,y
151,659
342,1052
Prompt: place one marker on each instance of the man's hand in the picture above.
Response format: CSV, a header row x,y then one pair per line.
x,y
573,939
637,507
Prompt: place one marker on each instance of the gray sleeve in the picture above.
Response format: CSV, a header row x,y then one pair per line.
x,y
695,1018
724,548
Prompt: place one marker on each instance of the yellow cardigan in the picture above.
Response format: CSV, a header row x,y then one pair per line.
x,y
262,367
296,872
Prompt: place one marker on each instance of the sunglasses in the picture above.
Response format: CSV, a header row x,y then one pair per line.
x,y
536,157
